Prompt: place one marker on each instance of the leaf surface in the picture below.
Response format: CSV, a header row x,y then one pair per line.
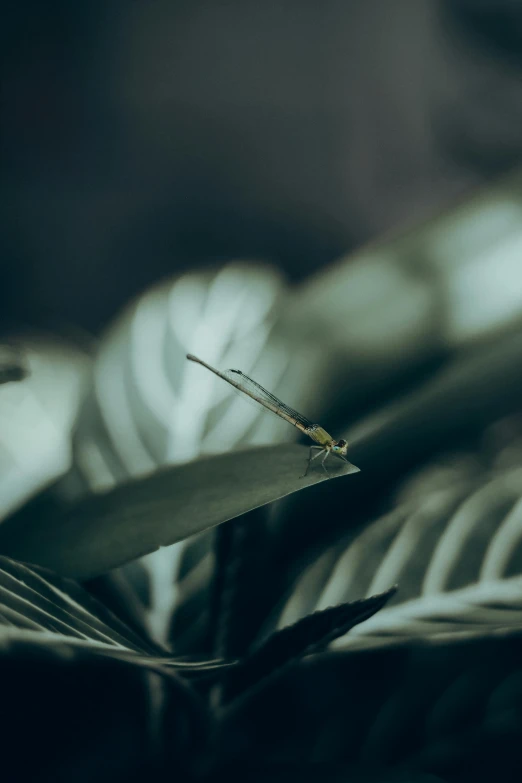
x,y
307,636
40,611
108,530
484,609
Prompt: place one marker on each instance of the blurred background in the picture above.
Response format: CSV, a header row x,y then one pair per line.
x,y
327,195
147,138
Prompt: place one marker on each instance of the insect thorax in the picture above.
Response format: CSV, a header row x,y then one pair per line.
x,y
319,435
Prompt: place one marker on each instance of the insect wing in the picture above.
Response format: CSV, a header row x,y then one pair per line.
x,y
259,396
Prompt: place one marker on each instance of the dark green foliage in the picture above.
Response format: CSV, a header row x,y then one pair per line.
x,y
108,530
428,690
309,635
39,610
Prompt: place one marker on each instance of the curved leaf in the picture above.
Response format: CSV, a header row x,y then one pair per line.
x,y
480,610
36,415
457,523
18,640
148,407
37,600
306,637
468,394
39,610
108,530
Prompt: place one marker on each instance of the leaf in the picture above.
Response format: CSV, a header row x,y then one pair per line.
x,y
35,599
36,416
148,407
40,610
304,638
241,551
395,312
457,523
18,641
484,609
468,394
108,530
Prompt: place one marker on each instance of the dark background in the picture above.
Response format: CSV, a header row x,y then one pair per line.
x,y
143,138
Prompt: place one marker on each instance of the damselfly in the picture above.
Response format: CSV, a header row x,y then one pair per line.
x,y
326,445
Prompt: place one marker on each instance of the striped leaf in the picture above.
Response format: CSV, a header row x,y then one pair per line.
x,y
482,610
37,414
40,611
149,408
456,523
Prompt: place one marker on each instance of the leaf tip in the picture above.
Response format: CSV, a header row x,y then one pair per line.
x,y
385,595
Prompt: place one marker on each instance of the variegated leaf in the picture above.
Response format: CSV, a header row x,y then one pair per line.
x,y
456,523
149,407
39,611
483,609
37,415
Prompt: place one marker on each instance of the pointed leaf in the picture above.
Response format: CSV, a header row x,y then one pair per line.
x,y
108,530
482,610
304,638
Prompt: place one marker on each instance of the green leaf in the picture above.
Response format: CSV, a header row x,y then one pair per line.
x,y
37,415
37,600
456,523
307,636
489,608
465,396
40,611
108,530
20,641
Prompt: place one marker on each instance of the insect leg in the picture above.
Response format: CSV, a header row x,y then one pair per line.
x,y
310,458
323,461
